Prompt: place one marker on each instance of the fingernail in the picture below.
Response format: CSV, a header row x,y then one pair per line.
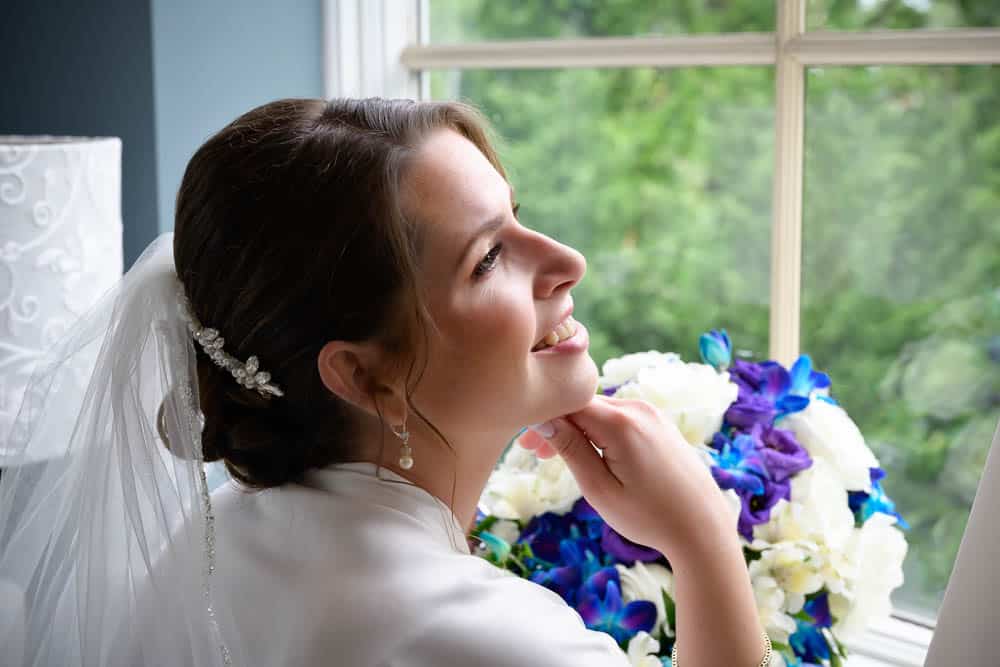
x,y
546,430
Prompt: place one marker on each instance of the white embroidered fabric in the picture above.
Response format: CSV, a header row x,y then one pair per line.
x,y
60,245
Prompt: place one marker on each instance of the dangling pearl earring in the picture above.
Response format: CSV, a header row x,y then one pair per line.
x,y
405,453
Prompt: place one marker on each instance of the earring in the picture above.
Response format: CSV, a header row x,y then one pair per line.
x,y
405,453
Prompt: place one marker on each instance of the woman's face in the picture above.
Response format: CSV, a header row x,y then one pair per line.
x,y
495,289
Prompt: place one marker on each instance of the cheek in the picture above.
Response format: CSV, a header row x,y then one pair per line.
x,y
486,347
497,336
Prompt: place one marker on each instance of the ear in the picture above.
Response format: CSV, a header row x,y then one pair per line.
x,y
349,371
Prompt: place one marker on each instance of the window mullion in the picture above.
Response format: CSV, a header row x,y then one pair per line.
x,y
786,228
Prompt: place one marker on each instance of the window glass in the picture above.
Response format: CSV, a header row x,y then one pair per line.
x,y
901,284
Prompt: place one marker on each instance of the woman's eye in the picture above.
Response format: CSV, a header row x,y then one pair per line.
x,y
490,260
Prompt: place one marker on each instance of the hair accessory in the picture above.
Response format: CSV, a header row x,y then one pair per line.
x,y
247,374
405,453
765,661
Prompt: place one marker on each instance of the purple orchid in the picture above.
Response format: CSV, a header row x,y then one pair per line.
x,y
616,546
624,550
782,453
747,375
750,409
756,509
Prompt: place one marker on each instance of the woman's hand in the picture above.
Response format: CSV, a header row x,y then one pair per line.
x,y
650,485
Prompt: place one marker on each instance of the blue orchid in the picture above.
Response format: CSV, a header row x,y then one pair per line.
x,y
818,608
601,607
738,463
866,504
564,581
497,545
804,379
776,386
579,559
715,348
809,643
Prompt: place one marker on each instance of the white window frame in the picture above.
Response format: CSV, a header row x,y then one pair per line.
x,y
379,48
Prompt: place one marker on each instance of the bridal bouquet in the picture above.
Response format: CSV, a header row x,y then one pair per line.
x,y
821,538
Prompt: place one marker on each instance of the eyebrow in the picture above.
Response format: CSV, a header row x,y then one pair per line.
x,y
487,227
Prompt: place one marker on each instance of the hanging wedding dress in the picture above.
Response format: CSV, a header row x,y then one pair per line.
x,y
113,551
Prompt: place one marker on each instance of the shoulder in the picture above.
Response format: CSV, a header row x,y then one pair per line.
x,y
495,619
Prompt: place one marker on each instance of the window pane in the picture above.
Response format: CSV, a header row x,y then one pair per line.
x,y
901,284
901,14
662,178
475,20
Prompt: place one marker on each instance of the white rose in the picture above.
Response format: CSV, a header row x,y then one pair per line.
x,y
877,549
818,512
648,581
622,369
694,396
642,650
524,486
828,433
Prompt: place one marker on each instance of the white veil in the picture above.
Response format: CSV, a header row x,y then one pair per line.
x,y
92,499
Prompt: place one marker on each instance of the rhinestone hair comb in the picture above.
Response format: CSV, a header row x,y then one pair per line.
x,y
248,374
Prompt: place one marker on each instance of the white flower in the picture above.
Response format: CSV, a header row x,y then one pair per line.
x,y
827,432
877,549
770,600
694,396
648,581
524,486
642,650
818,512
506,530
795,566
618,371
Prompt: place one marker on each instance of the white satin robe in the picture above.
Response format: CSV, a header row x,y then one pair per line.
x,y
350,570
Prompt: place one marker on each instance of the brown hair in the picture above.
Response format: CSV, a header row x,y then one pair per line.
x,y
290,233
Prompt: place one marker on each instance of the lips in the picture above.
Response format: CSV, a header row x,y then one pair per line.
x,y
563,318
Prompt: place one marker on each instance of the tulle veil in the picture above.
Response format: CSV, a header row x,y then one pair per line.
x,y
103,484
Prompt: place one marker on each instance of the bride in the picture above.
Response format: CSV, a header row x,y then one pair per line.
x,y
351,318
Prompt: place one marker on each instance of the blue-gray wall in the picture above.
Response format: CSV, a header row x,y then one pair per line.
x,y
86,69
216,59
161,74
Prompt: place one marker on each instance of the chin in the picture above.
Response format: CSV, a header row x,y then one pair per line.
x,y
578,390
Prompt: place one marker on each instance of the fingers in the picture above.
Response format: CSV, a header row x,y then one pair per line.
x,y
583,460
605,419
530,440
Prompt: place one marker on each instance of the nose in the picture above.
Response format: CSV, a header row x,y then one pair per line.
x,y
561,267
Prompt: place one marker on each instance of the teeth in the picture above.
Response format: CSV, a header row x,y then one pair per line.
x,y
562,331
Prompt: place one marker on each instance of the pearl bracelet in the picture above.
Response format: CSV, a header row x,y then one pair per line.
x,y
765,662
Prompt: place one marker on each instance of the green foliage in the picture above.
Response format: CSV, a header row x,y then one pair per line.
x,y
663,178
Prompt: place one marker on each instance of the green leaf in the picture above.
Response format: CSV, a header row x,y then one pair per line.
x,y
670,609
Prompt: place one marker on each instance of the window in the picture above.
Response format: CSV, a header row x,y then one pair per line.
x,y
814,175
